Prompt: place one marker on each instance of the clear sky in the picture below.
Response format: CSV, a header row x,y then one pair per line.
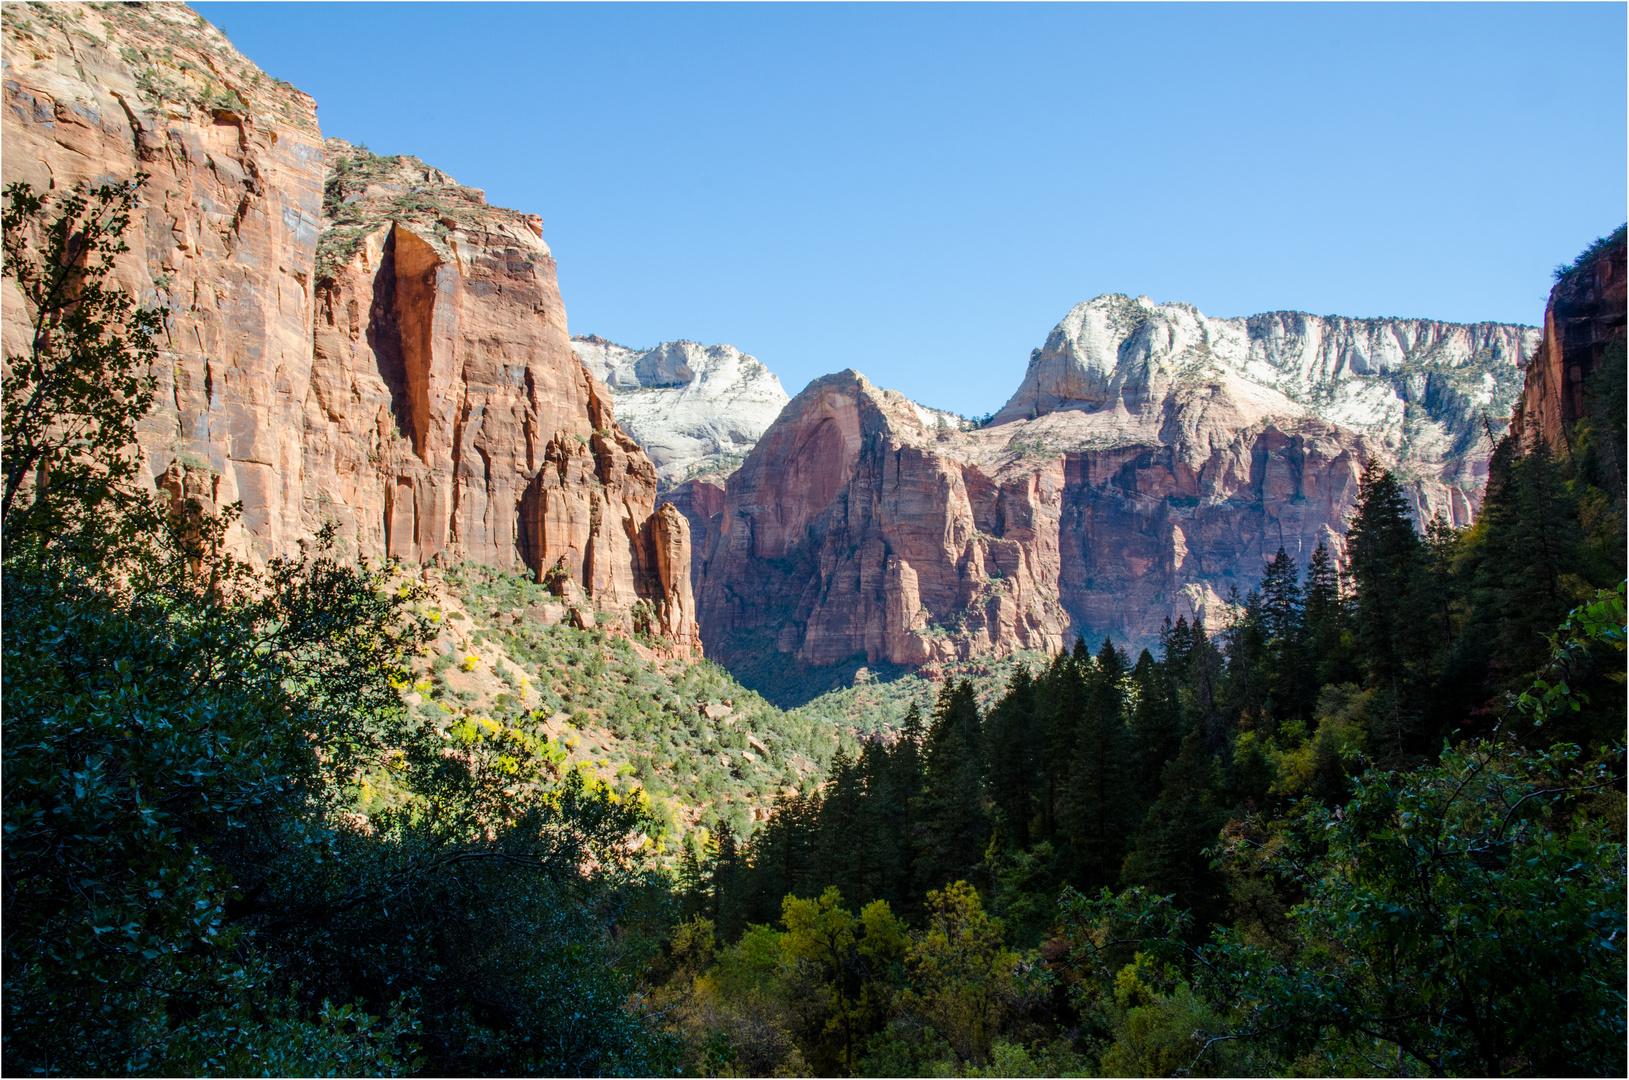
x,y
922,191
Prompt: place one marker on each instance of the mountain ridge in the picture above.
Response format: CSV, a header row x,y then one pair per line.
x,y
1161,462
693,408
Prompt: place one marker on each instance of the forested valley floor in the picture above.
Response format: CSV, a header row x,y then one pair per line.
x,y
326,818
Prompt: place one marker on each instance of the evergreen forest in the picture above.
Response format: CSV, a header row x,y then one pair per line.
x,y
1373,826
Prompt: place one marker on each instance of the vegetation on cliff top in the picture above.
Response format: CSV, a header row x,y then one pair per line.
x,y
1587,257
365,191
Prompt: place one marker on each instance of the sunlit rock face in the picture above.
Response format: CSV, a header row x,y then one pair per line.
x,y
1149,463
693,408
349,339
1426,391
860,524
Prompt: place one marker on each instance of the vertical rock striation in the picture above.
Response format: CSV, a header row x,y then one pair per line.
x,y
349,338
857,526
1149,463
225,236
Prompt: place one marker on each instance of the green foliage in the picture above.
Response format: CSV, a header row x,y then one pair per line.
x,y
71,402
1100,806
845,964
1464,918
954,827
1463,915
1306,887
1590,254
1170,853
228,847
965,983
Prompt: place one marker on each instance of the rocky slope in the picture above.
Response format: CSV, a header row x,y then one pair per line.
x,y
1151,460
694,409
349,338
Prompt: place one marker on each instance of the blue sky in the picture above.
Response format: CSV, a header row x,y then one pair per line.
x,y
922,191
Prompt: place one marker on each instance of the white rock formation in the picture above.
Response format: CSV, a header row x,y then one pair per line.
x,y
693,408
1427,391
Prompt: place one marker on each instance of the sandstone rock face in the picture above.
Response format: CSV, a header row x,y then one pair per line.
x,y
668,541
1586,312
855,526
692,408
699,499
350,338
226,234
1150,463
1424,390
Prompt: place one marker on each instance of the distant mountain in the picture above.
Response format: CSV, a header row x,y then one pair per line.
x,y
693,408
1150,462
1419,387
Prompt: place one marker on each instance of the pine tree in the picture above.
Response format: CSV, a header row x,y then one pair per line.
x,y
1060,694
1436,586
905,759
1384,552
882,833
955,827
1280,597
1286,672
726,884
1529,540
1100,797
906,779
1155,725
1244,685
781,858
1014,747
1176,641
1205,667
1323,621
1169,852
692,885
839,859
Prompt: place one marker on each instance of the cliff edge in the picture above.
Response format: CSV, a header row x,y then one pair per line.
x,y
348,337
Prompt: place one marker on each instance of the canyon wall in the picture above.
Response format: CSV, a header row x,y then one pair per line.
x,y
348,338
1424,390
1150,462
1584,315
857,526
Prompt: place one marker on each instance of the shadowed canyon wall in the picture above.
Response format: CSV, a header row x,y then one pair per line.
x,y
1584,316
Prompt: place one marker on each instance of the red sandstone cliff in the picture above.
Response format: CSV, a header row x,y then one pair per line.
x,y
859,524
348,338
1152,460
698,499
856,527
1585,313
